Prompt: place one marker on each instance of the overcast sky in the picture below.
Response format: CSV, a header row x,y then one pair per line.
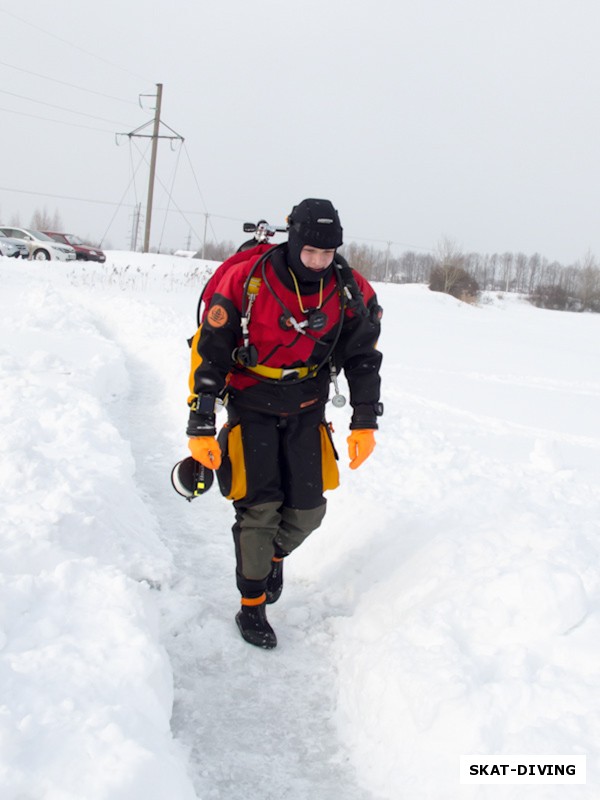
x,y
476,120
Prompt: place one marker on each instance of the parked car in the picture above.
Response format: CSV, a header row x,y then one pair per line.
x,y
83,251
40,246
13,248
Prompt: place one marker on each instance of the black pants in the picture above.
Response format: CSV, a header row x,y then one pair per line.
x,y
278,469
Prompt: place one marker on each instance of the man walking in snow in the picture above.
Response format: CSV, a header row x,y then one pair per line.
x,y
281,322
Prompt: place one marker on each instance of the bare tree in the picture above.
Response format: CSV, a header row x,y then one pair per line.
x,y
57,224
535,269
450,263
449,274
507,261
409,267
552,297
569,278
217,251
520,272
589,284
366,259
43,221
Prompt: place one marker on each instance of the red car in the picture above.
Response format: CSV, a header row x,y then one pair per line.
x,y
84,251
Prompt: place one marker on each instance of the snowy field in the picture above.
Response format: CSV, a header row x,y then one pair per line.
x,y
449,604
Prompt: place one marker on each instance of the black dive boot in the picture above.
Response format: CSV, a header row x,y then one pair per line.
x,y
275,581
254,627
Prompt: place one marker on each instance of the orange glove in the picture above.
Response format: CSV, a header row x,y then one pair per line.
x,y
206,450
361,444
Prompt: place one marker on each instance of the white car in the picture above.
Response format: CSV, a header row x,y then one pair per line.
x,y
13,248
40,246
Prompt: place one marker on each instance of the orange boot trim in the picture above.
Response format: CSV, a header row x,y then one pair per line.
x,y
254,601
276,560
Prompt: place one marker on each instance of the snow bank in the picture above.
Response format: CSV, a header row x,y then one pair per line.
x,y
87,687
475,622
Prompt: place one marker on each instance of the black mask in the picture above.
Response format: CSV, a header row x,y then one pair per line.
x,y
315,223
304,274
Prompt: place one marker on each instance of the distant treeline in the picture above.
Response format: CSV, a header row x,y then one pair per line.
x,y
549,284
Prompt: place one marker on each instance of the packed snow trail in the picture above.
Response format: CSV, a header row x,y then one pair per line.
x,y
257,724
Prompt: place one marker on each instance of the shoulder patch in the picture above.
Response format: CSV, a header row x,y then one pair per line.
x,y
217,316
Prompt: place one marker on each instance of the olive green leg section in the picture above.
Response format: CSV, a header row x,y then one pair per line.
x,y
254,532
296,525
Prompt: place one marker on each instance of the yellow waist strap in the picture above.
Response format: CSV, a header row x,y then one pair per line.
x,y
280,373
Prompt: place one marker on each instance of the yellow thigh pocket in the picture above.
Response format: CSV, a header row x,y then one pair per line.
x,y
329,468
232,472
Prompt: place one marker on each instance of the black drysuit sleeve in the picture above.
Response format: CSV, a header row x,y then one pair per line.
x,y
215,347
212,361
357,355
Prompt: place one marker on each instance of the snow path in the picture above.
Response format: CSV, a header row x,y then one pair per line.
x,y
255,723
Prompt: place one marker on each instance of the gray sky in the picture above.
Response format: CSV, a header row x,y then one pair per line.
x,y
476,120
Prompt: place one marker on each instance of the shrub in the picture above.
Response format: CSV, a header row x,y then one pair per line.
x,y
550,296
455,281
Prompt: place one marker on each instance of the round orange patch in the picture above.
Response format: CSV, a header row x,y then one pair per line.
x,y
217,316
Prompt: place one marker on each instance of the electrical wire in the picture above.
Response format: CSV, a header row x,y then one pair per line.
x,y
194,176
102,119
207,215
61,108
133,171
119,205
181,213
57,121
71,44
169,199
104,202
70,85
59,196
390,242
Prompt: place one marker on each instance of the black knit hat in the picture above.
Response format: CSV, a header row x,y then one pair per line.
x,y
315,223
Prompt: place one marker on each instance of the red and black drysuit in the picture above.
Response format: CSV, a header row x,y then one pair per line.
x,y
278,457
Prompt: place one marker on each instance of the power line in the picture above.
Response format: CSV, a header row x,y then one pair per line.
x,y
390,242
182,212
70,85
58,121
207,216
194,175
71,44
119,204
60,108
64,197
179,210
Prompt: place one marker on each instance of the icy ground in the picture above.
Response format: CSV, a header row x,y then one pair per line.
x,y
448,605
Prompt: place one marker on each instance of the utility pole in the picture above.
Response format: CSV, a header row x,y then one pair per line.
x,y
206,216
387,262
136,226
155,136
159,88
